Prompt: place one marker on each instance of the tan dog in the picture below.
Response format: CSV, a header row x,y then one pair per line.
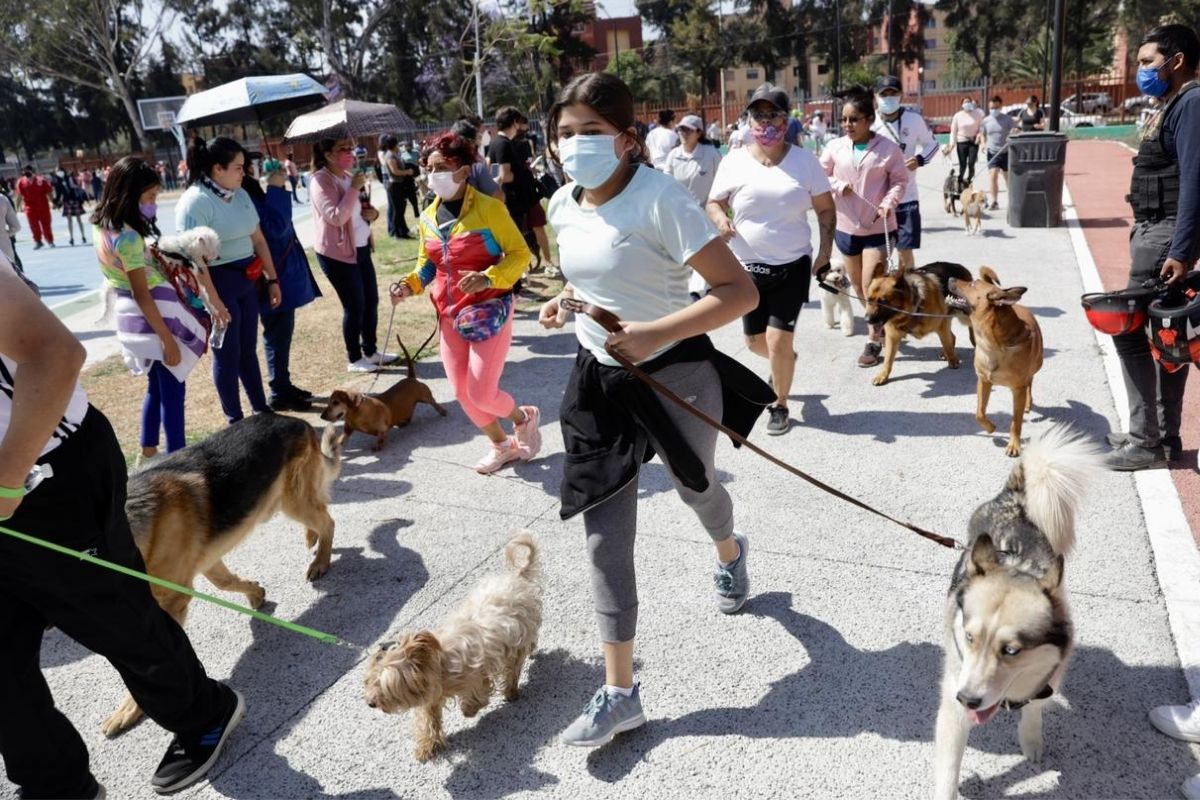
x,y
1008,348
923,291
191,508
973,202
484,643
379,414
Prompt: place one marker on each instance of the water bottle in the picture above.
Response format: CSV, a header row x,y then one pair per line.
x,y
217,337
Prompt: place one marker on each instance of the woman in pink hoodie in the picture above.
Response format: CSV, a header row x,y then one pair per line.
x,y
868,178
343,222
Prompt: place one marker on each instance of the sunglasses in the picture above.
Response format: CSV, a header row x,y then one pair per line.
x,y
852,120
768,116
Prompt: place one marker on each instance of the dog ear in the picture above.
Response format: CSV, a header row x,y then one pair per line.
x,y
1005,297
1053,577
354,398
988,274
983,555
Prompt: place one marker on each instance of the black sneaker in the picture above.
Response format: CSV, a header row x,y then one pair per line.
x,y
1172,445
289,402
296,391
1130,457
779,422
188,761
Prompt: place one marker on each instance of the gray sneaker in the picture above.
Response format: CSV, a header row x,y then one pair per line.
x,y
1130,457
733,582
606,715
1172,445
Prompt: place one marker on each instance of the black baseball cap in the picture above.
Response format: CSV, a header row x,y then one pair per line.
x,y
769,94
886,82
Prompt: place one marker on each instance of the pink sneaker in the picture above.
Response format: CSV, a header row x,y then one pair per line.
x,y
529,438
498,455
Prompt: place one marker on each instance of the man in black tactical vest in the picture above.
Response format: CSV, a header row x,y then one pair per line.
x,y
1165,241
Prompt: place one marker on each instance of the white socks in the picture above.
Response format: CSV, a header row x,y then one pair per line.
x,y
618,690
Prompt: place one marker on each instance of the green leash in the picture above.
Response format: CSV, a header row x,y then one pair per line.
x,y
312,633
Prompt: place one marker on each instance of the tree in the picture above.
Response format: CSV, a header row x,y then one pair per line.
x,y
984,31
101,44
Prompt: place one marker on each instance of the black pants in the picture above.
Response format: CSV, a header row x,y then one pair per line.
x,y
1155,395
83,507
396,224
968,154
356,286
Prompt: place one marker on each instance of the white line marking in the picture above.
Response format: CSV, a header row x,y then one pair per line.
x,y
1175,557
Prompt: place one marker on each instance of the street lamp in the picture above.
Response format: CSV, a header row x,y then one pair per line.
x,y
478,73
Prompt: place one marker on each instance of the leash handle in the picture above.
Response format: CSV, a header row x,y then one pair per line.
x,y
612,323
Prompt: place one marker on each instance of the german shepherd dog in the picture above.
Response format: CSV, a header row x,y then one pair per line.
x,y
923,290
190,509
1008,628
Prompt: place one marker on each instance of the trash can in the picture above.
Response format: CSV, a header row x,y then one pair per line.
x,y
1036,161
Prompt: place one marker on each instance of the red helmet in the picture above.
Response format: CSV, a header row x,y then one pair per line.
x,y
1175,325
1117,313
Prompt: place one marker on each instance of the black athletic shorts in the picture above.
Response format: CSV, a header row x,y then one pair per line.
x,y
782,289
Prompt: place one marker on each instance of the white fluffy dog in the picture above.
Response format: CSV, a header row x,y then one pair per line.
x,y
190,251
836,307
483,643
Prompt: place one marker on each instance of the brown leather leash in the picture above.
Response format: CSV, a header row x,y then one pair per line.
x,y
611,323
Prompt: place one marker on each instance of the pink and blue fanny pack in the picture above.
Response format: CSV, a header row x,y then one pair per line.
x,y
482,321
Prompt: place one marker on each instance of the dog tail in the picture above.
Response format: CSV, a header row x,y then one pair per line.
x,y
1052,477
408,359
532,568
331,446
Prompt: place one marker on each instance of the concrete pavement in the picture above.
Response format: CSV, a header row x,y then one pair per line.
x,y
826,686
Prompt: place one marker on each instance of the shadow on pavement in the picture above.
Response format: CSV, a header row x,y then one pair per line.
x,y
1097,747
282,673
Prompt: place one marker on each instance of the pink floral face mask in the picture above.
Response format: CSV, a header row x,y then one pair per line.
x,y
768,136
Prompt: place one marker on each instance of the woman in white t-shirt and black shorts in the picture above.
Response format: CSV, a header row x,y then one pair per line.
x,y
770,185
627,234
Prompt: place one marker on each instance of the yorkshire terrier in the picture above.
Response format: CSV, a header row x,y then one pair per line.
x,y
484,643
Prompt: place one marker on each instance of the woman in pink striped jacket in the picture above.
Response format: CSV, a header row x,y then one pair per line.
x,y
868,178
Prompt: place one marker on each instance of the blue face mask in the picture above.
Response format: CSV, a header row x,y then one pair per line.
x,y
995,112
888,104
1150,83
589,160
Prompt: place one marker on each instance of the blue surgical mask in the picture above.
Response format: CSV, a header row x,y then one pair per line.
x,y
995,112
968,106
1149,81
589,160
888,105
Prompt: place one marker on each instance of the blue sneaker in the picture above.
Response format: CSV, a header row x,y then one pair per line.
x,y
733,582
608,714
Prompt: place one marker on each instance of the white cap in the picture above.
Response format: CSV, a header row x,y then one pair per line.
x,y
691,121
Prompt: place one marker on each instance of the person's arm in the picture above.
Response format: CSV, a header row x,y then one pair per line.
x,y
395,168
897,182
732,295
263,251
504,273
334,211
415,281
1184,243
953,130
717,207
823,206
12,221
828,160
48,359
925,136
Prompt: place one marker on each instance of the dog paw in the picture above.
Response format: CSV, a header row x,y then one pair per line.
x,y
256,596
122,719
1033,747
879,380
986,424
1013,450
426,750
955,364
316,569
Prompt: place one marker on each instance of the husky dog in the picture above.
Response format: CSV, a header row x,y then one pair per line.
x,y
835,301
1008,629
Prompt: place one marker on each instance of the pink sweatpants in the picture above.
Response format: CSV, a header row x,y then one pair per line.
x,y
474,370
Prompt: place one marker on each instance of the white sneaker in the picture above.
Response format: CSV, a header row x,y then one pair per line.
x,y
1179,722
498,455
1191,788
383,359
362,365
143,462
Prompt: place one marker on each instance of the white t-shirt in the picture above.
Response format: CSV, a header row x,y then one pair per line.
x,y
915,139
629,255
660,142
77,406
770,204
737,138
694,170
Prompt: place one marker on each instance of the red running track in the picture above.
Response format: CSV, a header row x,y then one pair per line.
x,y
1097,176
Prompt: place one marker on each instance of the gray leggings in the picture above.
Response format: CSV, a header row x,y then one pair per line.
x,y
612,526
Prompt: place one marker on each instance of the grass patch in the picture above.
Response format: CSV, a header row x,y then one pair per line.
x,y
318,361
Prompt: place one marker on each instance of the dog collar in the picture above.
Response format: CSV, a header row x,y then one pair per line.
x,y
1013,705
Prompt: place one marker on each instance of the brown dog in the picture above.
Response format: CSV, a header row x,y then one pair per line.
x,y
188,510
973,202
1008,348
379,414
891,298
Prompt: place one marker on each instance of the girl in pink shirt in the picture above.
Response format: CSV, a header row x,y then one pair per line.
x,y
964,130
868,178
